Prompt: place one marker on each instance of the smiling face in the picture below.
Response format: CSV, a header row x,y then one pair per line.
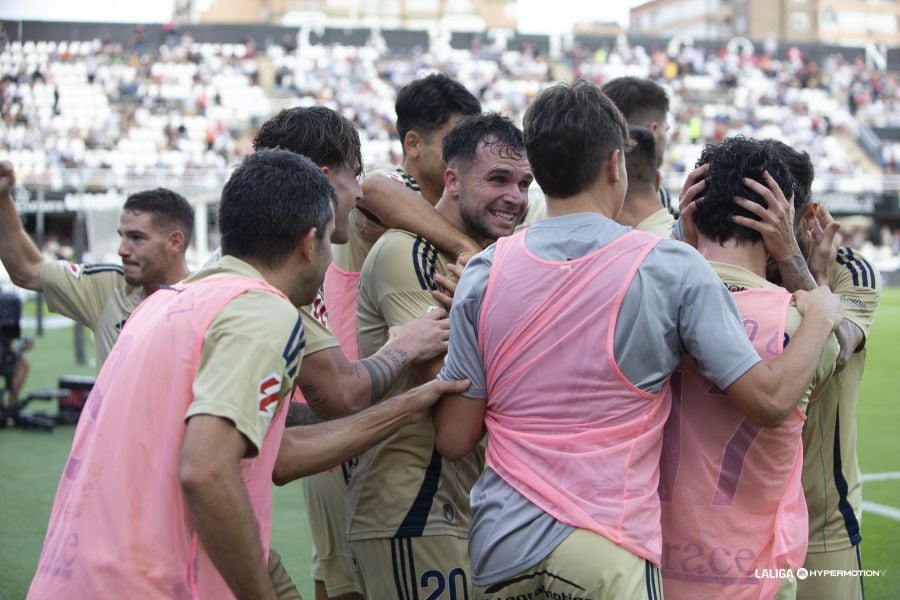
x,y
492,192
147,251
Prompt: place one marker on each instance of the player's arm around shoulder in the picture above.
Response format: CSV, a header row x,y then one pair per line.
x,y
768,393
397,205
308,450
827,360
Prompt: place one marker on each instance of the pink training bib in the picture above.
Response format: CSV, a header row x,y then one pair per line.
x,y
566,429
341,290
120,527
733,510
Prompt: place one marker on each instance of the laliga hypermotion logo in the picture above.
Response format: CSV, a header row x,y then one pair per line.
x,y
267,394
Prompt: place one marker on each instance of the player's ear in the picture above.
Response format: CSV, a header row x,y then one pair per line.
x,y
306,247
177,240
614,171
412,144
657,181
451,181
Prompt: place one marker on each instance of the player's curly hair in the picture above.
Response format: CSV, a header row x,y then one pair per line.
x,y
729,162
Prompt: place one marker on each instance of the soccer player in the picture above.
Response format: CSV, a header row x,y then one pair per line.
x,y
644,103
732,499
155,227
831,476
402,196
409,507
331,384
188,411
570,331
641,208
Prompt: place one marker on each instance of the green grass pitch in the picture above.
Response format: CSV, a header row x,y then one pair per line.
x,y
30,464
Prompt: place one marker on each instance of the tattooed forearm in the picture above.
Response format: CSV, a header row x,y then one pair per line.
x,y
383,369
300,414
795,274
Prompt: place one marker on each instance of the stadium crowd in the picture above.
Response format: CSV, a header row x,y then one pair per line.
x,y
607,403
190,106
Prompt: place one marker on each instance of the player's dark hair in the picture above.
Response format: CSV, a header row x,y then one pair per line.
x,y
729,162
170,210
640,158
800,165
570,129
640,100
492,130
426,104
272,199
319,133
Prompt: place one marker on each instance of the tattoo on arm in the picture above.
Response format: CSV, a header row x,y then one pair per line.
x,y
795,274
383,369
300,414
310,392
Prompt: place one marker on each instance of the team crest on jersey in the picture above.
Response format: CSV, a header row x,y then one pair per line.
x,y
268,393
319,312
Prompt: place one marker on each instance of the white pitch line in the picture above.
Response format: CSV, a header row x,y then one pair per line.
x,y
881,476
880,509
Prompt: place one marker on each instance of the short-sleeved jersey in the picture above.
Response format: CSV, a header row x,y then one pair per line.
x,y
737,279
120,523
363,231
318,330
659,223
96,296
831,477
252,332
403,486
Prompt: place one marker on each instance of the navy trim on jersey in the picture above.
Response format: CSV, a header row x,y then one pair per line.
x,y
850,522
295,344
424,257
864,265
860,270
413,524
102,268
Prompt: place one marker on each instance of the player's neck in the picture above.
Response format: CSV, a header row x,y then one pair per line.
x,y
428,191
174,275
596,199
637,208
747,256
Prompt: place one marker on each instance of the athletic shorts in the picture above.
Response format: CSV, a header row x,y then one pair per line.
x,y
332,562
281,579
826,587
434,567
584,566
